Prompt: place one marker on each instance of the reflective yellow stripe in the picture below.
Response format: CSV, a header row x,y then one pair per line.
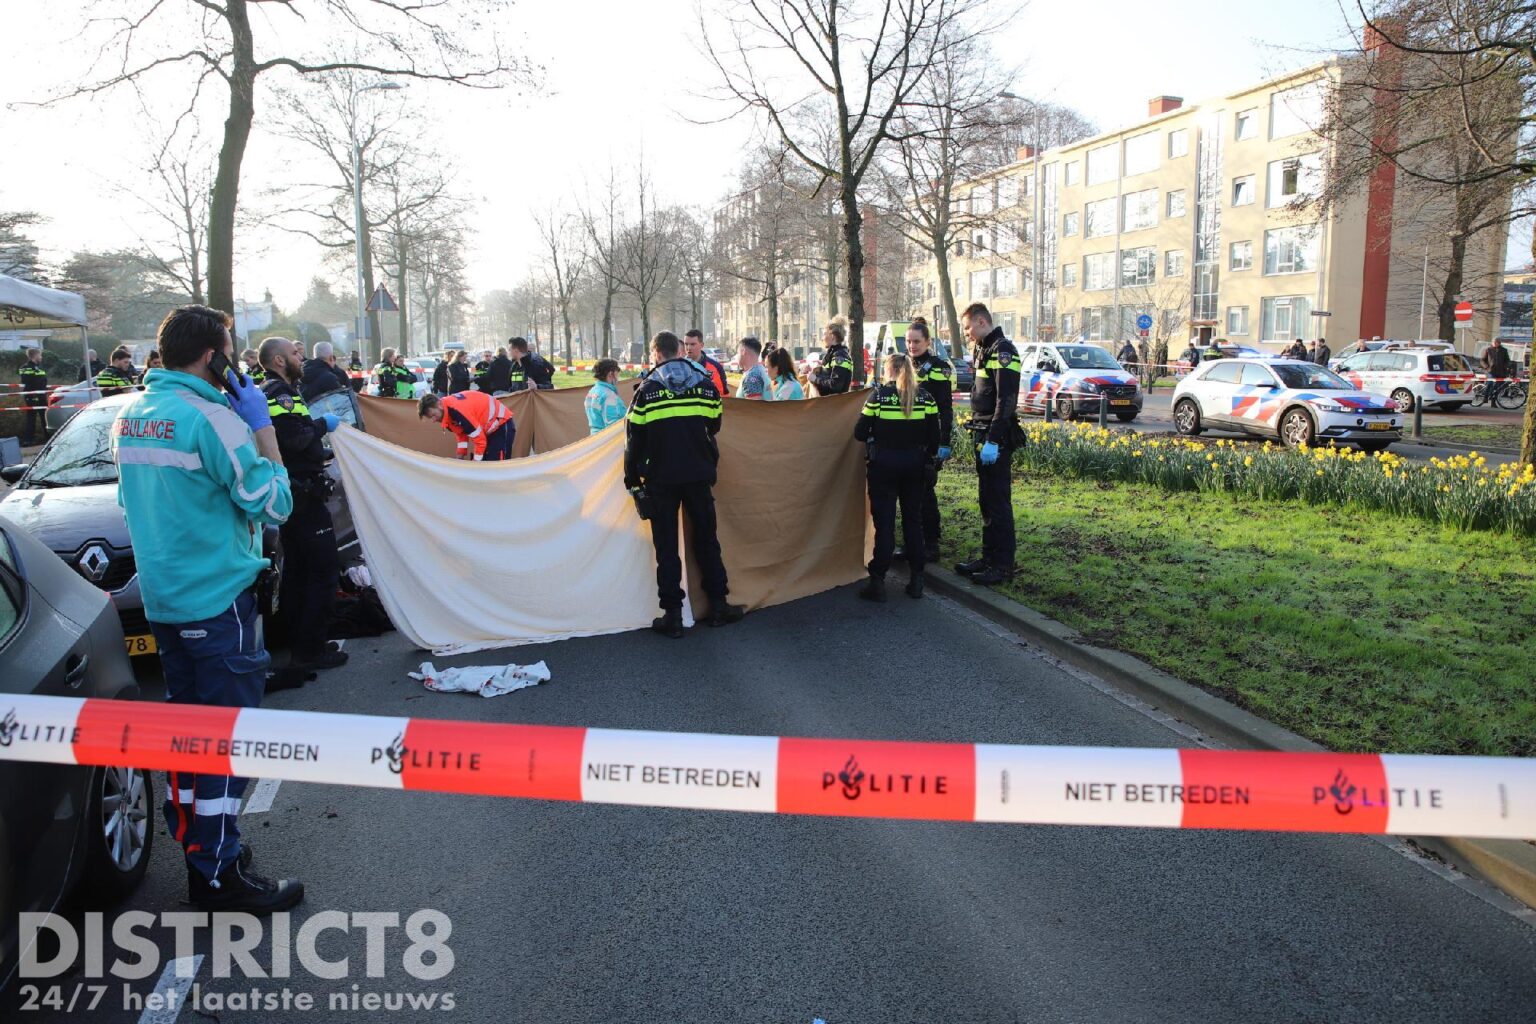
x,y
641,417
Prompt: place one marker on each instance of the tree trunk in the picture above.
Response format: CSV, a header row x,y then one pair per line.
x,y
947,295
853,226
1450,292
1528,436
226,182
402,250
565,316
194,259
608,326
831,255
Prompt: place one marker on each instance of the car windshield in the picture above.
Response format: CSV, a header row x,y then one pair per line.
x,y
1087,357
1313,378
81,454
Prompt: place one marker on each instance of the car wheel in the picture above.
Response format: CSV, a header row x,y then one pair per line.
x,y
1066,409
1403,399
1452,407
119,832
1372,447
1186,417
1296,428
1125,417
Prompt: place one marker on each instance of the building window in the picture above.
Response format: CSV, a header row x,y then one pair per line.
x,y
1140,210
1173,263
1069,275
1098,272
1007,238
1103,163
1005,281
1007,193
1072,172
1069,223
1099,219
1247,125
1098,322
981,284
1005,321
1178,143
1294,178
978,242
1290,250
1141,153
1027,186
1296,110
981,200
1237,320
1176,201
933,289
1241,256
1242,190
1138,266
914,292
1068,326
1284,318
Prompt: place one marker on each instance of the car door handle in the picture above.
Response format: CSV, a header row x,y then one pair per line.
x,y
74,670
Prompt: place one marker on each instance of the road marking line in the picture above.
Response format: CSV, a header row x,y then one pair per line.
x,y
262,796
171,989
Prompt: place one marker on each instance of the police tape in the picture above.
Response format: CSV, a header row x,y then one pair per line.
x,y
1484,797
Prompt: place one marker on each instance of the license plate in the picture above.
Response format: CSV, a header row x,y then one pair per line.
x,y
140,644
1119,401
1378,426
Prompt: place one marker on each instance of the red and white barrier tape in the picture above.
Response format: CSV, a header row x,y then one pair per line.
x,y
1305,792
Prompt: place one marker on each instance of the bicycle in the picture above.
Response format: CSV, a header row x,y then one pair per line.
x,y
1513,394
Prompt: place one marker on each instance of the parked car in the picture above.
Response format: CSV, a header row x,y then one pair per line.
x,y
67,499
1293,401
1077,378
64,402
1437,377
61,826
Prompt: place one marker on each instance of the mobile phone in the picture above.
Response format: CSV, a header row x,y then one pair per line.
x,y
222,368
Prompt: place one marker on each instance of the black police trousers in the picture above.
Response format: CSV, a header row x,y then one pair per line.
x,y
311,565
994,493
897,477
931,506
698,501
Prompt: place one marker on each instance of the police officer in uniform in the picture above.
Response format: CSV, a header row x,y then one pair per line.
x,y
311,563
34,395
530,368
253,368
835,374
669,462
900,427
935,375
119,377
482,367
994,430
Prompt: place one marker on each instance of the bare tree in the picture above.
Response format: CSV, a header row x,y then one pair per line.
x,y
1031,122
566,263
182,175
693,237
19,256
648,254
602,219
217,42
1168,301
762,234
866,58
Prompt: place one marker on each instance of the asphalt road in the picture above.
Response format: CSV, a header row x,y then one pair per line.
x,y
569,912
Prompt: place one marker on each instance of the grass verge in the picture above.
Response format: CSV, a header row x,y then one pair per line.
x,y
1498,435
1357,629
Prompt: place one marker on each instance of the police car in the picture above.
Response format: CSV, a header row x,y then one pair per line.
x,y
1076,377
1296,402
1433,375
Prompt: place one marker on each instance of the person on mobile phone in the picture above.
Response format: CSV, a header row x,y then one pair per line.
x,y
199,476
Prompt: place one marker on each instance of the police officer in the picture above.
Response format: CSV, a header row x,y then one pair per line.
x,y
500,374
482,368
118,377
34,395
311,563
936,376
835,374
995,432
532,369
900,427
253,368
669,462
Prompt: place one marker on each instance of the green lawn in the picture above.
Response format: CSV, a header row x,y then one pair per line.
x,y
1362,631
1498,435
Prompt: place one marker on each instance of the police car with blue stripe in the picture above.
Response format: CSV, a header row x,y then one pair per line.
x,y
1295,402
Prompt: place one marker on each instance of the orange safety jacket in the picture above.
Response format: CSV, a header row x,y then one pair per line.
x,y
472,416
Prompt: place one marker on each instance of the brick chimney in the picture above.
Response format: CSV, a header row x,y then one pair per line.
x,y
1375,36
1026,153
1162,104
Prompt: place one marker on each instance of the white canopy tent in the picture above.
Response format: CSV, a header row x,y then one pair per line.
x,y
25,306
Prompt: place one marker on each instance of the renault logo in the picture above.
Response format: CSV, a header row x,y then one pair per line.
x,y
93,563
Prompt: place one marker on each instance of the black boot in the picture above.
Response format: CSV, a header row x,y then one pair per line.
x,y
722,613
992,576
874,589
899,555
670,624
237,889
915,585
971,568
326,657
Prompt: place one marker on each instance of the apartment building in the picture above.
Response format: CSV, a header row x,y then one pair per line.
x,y
1189,217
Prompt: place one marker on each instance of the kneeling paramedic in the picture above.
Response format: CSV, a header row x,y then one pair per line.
x,y
311,563
900,428
994,428
199,476
481,423
669,462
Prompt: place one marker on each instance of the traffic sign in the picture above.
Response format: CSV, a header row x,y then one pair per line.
x,y
1144,322
1144,332
381,302
1463,312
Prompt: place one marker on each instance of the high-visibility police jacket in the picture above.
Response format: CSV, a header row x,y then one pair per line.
x,y
195,492
672,426
936,376
396,382
886,427
835,374
34,384
298,435
995,396
472,416
113,381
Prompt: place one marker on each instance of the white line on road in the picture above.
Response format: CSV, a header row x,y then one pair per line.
x,y
262,796
164,1006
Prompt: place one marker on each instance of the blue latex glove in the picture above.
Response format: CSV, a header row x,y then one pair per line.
x,y
248,401
331,422
988,453
944,453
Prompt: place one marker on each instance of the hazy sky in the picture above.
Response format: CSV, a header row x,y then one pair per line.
x,y
620,76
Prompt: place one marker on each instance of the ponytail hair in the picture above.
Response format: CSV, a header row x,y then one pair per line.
x,y
920,325
900,372
838,325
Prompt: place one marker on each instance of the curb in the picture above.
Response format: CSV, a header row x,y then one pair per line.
x,y
1481,449
1508,864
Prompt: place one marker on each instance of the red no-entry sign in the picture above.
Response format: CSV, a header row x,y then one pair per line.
x,y
1463,311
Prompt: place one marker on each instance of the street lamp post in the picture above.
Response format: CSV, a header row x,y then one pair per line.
x,y
357,211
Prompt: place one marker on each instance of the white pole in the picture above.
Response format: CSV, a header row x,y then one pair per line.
x,y
1423,291
357,229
